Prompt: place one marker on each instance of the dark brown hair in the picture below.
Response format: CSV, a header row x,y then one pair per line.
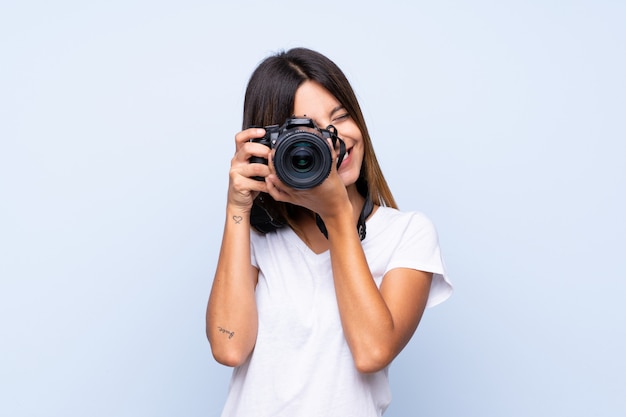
x,y
270,99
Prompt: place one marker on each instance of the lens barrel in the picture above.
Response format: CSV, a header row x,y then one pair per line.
x,y
302,158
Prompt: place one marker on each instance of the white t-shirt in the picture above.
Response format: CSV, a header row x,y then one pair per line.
x,y
301,365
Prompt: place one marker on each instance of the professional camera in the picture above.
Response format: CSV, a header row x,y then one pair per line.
x,y
302,157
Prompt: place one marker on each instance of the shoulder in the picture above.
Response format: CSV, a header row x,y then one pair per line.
x,y
390,220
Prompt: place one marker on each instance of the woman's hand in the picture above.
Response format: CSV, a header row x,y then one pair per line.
x,y
327,199
242,187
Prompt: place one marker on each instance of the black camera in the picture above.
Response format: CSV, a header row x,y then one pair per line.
x,y
302,157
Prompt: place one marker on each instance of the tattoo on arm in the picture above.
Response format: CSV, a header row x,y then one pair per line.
x,y
227,332
237,219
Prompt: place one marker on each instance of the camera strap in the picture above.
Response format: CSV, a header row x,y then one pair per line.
x,y
368,207
332,130
261,219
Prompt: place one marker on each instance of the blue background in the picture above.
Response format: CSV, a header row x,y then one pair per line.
x,y
502,120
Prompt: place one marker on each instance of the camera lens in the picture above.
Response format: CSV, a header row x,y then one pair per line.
x,y
303,159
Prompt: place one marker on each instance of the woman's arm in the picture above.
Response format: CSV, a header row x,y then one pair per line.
x,y
377,323
231,318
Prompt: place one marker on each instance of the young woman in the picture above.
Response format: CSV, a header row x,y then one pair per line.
x,y
312,311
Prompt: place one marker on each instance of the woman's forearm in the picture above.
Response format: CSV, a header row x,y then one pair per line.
x,y
377,323
231,321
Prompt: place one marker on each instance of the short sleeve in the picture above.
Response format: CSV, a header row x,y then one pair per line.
x,y
419,249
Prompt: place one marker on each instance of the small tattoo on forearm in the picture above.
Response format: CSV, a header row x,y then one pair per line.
x,y
237,219
227,332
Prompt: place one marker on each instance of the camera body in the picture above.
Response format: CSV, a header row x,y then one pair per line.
x,y
302,158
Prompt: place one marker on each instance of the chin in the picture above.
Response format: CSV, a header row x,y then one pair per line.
x,y
349,177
